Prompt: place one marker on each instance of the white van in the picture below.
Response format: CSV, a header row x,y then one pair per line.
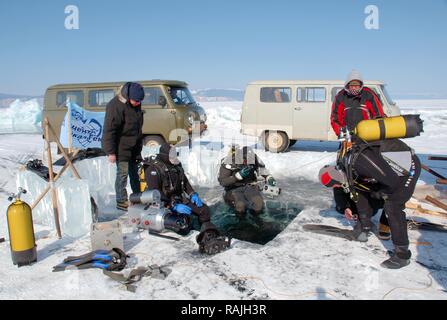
x,y
282,112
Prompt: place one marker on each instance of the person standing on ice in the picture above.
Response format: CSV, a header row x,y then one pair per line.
x,y
354,103
238,174
122,139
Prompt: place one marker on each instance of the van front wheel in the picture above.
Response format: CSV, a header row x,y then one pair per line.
x,y
276,141
153,141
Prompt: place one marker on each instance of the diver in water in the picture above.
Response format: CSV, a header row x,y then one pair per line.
x,y
238,174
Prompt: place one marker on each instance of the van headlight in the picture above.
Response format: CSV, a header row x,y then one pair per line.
x,y
192,116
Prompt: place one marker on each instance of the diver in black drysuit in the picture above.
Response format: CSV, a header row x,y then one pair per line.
x,y
238,174
165,174
392,183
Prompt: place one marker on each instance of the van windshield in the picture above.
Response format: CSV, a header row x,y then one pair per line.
x,y
387,95
181,95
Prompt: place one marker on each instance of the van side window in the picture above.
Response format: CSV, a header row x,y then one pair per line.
x,y
74,96
98,98
275,95
334,92
311,95
151,95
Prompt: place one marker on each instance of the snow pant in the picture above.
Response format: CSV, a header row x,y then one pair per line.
x,y
245,197
124,169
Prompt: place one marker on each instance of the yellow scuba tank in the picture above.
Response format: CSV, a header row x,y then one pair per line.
x,y
400,127
142,179
21,231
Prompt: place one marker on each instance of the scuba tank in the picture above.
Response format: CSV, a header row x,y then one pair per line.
x,y
21,231
147,213
401,127
143,183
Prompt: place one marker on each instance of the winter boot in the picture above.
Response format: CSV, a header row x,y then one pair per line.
x,y
398,259
384,232
122,205
361,233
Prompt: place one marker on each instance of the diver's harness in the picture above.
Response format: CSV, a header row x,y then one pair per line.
x,y
347,157
165,182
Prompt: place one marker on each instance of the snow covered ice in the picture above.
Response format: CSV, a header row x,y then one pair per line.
x,y
294,265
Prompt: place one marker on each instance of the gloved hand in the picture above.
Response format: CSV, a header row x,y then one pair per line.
x,y
244,172
182,209
196,200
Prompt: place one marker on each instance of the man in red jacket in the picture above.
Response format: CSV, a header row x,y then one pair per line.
x,y
354,104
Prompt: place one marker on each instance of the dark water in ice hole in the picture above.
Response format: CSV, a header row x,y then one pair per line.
x,y
278,212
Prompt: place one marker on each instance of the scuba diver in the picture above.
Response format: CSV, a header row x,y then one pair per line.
x,y
386,170
165,174
238,174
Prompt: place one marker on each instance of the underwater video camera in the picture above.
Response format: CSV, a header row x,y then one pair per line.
x,y
269,188
146,212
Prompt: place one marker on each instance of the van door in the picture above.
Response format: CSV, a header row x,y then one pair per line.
x,y
310,120
158,119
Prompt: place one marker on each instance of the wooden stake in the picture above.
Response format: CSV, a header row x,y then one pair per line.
x,y
433,172
53,189
418,209
43,194
436,202
61,148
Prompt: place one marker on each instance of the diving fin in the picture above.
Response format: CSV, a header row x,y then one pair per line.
x,y
415,225
330,231
112,260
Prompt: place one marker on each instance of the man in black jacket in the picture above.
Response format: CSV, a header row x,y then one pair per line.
x,y
238,174
165,174
122,139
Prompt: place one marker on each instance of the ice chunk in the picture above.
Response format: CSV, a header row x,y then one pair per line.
x,y
201,165
75,211
22,117
100,175
35,185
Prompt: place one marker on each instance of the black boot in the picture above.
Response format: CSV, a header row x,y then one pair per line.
x,y
399,258
210,240
361,233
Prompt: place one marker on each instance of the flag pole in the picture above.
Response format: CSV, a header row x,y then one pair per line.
x,y
70,141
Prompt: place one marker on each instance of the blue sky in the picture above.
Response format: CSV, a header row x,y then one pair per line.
x,y
223,44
